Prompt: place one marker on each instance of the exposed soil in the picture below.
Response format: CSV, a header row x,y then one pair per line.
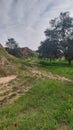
x,y
63,127
4,80
50,75
10,92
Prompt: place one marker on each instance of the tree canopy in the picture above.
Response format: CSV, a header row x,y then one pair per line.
x,y
11,43
59,38
13,48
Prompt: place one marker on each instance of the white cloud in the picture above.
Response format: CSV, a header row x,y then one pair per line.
x,y
26,20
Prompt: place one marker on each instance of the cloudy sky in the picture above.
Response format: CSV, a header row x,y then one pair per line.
x,y
26,20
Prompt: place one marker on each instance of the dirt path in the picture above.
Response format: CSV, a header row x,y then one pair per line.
x,y
9,92
50,75
4,80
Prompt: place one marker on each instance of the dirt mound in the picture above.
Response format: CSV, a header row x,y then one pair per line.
x,y
26,52
6,67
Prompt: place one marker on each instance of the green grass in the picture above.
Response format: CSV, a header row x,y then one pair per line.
x,y
4,53
46,106
57,67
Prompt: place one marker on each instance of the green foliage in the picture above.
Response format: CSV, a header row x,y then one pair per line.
x,y
48,49
60,34
11,43
16,51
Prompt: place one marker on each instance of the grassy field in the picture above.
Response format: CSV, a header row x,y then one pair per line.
x,y
48,105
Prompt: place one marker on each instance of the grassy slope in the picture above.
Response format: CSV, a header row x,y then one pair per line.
x,y
6,67
61,68
47,106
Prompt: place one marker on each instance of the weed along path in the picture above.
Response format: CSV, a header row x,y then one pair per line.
x,y
7,79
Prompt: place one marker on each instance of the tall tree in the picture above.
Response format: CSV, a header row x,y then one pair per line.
x,y
60,34
11,43
13,48
69,50
49,49
64,25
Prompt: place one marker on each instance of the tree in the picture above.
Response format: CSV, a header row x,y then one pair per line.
x,y
13,48
64,27
69,50
11,43
60,34
48,49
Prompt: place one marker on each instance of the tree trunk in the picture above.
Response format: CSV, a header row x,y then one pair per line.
x,y
50,59
69,62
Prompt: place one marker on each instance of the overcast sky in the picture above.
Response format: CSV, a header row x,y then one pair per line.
x,y
26,20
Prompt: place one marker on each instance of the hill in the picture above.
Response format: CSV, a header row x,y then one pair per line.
x,y
40,96
23,52
6,67
38,99
26,52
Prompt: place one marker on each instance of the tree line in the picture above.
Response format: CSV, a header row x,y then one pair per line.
x,y
13,48
59,39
